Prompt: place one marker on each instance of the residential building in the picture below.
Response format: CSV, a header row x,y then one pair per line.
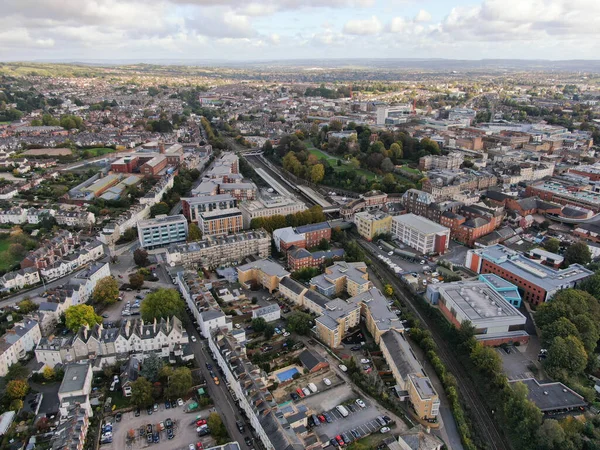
x,y
75,388
589,232
422,234
423,396
370,224
338,317
453,161
239,191
107,346
270,313
312,361
79,219
71,432
221,251
496,320
537,281
274,206
56,267
202,304
193,207
89,278
302,296
218,222
419,438
20,278
16,342
314,233
13,216
263,272
342,276
573,192
300,258
162,231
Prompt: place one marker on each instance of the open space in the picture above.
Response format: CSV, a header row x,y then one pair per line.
x,y
7,261
98,151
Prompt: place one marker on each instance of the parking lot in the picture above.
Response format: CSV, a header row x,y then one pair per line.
x,y
360,419
515,364
185,432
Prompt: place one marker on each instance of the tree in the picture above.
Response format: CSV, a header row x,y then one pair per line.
x,y
17,389
299,322
324,244
16,250
566,356
269,331
151,367
217,429
387,165
78,315
27,305
141,393
396,150
16,372
388,290
317,173
106,291
562,327
552,245
140,257
354,163
136,280
194,233
522,415
16,404
578,253
486,359
48,373
259,324
550,435
180,382
159,209
161,304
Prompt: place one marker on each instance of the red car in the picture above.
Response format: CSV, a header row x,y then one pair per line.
x,y
339,439
321,418
199,446
201,422
300,393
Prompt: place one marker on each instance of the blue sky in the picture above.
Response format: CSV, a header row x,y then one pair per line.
x,y
292,29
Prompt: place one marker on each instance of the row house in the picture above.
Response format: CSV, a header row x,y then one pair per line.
x,y
51,250
106,346
16,342
20,216
20,278
79,219
89,252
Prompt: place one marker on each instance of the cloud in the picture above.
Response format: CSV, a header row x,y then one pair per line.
x,y
422,16
363,27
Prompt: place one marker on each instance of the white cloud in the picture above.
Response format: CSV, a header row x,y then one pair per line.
x,y
363,27
422,16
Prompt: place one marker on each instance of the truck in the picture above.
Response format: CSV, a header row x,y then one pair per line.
x,y
192,406
342,410
312,387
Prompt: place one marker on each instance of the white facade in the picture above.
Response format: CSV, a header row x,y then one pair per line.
x,y
79,219
20,278
16,342
270,313
278,207
420,233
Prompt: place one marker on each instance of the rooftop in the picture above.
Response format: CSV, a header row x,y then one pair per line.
x,y
162,219
267,266
552,396
419,223
423,385
74,378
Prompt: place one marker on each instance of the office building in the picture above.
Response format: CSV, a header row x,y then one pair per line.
x,y
422,234
370,224
537,281
275,206
193,207
162,231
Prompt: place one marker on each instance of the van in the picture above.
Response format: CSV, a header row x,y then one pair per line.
x,y
342,410
312,387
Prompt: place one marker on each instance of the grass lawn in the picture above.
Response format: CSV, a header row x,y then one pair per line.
x,y
99,151
7,261
332,160
411,170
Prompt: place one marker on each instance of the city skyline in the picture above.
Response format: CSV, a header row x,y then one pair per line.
x,y
236,30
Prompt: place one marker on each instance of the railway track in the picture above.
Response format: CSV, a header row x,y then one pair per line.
x,y
480,414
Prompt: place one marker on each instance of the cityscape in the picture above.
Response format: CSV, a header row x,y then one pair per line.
x,y
382,232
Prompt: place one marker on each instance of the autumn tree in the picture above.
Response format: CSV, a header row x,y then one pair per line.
x,y
27,305
78,315
140,257
317,173
136,280
106,291
48,373
388,290
194,233
17,389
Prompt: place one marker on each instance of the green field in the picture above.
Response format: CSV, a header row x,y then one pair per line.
x,y
332,160
99,151
7,261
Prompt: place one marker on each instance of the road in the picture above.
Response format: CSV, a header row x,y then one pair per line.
x,y
487,427
220,395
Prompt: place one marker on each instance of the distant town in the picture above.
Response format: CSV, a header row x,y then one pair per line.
x,y
267,258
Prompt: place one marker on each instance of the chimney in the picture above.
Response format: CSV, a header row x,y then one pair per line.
x,y
161,147
85,331
127,328
141,327
154,325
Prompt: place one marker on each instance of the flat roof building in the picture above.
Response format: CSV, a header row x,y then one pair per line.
x,y
537,281
265,272
370,224
552,397
162,231
420,233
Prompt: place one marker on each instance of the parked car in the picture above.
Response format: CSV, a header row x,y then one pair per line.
x,y
355,348
339,440
327,381
155,408
137,412
365,361
118,417
179,402
149,438
149,410
384,430
156,437
300,392
328,417
248,441
173,403
169,423
170,434
343,368
167,404
322,418
360,403
295,397
306,391
194,338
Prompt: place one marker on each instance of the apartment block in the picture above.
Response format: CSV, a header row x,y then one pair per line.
x,y
421,234
370,224
342,277
300,258
263,272
220,251
537,281
217,222
452,161
276,206
423,396
193,207
162,231
16,342
305,236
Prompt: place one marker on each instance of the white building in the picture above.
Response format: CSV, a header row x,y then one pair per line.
x,y
270,313
75,388
20,278
79,219
420,233
16,342
89,278
162,230
276,206
13,216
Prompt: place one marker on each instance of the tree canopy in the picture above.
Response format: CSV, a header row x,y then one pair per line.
x,y
578,253
162,303
299,322
78,315
142,393
140,257
106,291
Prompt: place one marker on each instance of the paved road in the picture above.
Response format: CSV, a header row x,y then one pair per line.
x,y
487,427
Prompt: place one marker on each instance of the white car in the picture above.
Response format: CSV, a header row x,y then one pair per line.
x,y
306,391
194,338
180,402
343,368
384,430
327,381
360,403
286,334
390,253
365,361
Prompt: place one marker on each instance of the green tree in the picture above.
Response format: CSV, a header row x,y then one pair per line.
x,y
324,244
552,245
259,324
17,389
486,359
354,163
78,315
151,367
140,257
180,382
396,149
388,290
592,285
299,322
136,280
162,303
269,331
106,291
27,305
17,371
194,233
562,327
550,436
522,415
217,428
578,253
317,173
566,356
159,209
141,393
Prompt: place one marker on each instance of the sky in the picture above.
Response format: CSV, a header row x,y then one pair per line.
x,y
241,30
